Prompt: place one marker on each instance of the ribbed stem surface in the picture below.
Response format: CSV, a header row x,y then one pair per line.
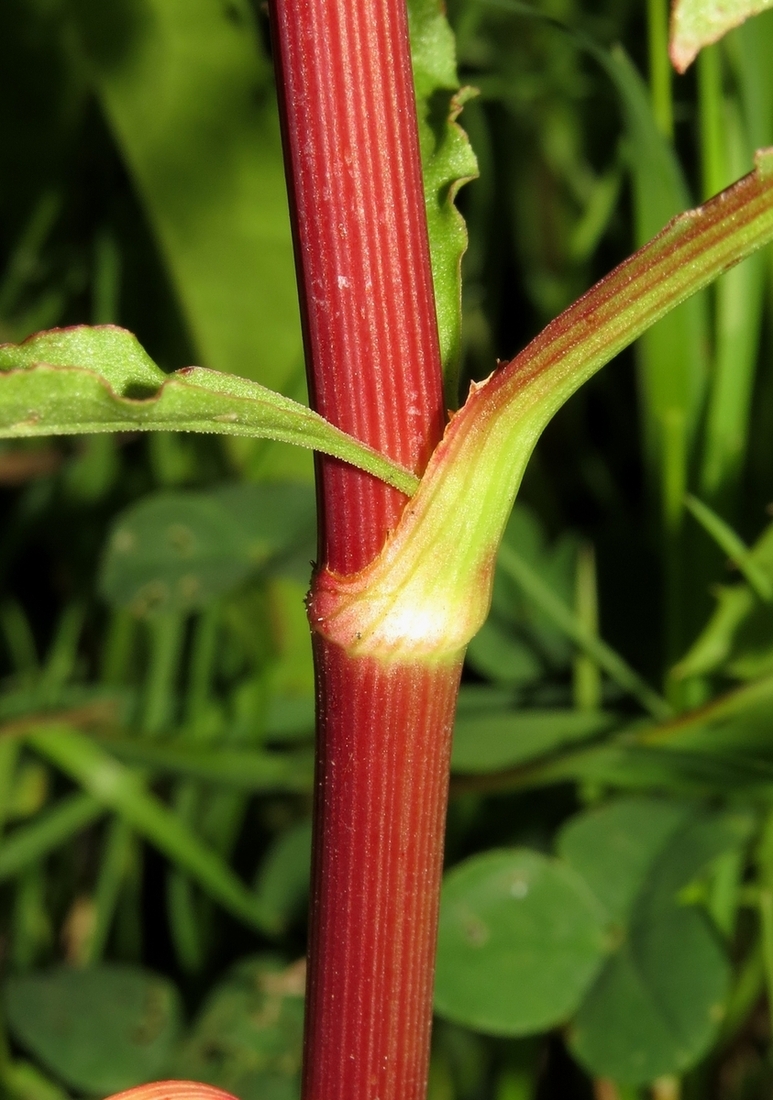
x,y
351,145
352,149
379,819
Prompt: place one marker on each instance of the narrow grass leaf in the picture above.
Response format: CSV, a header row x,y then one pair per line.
x,y
739,312
243,769
121,790
50,830
587,640
732,545
672,354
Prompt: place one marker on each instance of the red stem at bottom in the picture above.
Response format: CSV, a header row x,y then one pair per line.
x,y
381,794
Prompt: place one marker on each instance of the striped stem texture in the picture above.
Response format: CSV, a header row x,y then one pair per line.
x,y
380,814
352,152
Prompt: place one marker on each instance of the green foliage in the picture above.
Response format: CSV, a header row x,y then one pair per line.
x,y
177,552
448,162
247,1036
99,1030
100,380
156,707
188,93
520,940
522,945
697,23
658,1002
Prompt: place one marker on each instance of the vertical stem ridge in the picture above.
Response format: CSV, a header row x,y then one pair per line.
x,y
361,241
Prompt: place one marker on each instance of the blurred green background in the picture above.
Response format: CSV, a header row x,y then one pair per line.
x,y
607,919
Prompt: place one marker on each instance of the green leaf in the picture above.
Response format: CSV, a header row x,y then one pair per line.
x,y
495,653
99,1030
173,552
613,847
494,741
656,1009
735,723
738,625
658,1001
248,1036
520,940
519,638
740,296
529,579
698,23
448,162
80,380
179,551
188,93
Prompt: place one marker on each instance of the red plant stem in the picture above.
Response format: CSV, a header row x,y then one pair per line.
x,y
357,202
380,816
354,169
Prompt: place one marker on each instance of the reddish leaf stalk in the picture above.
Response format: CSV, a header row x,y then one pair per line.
x,y
351,146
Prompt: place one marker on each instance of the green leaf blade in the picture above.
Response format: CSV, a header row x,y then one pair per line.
x,y
448,162
38,397
520,941
698,23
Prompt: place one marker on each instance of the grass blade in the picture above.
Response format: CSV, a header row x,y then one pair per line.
x,y
121,790
585,638
734,546
48,831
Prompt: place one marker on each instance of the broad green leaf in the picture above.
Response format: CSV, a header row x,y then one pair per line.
x,y
173,552
448,162
656,1009
121,790
613,847
658,1001
247,1037
494,741
99,1030
188,93
520,940
698,23
79,380
180,551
